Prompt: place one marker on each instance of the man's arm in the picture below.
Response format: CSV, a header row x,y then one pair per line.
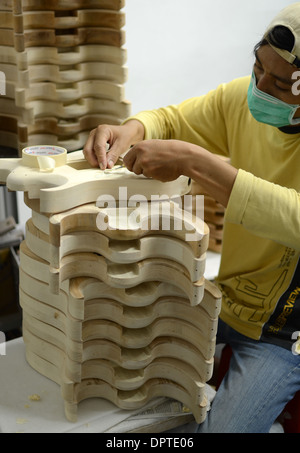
x,y
166,160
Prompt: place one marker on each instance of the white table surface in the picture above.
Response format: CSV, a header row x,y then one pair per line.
x,y
212,265
18,414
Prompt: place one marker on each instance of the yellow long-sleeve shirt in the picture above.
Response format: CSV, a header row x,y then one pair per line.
x,y
260,267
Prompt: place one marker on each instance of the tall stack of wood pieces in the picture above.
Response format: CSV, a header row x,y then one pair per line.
x,y
115,303
64,69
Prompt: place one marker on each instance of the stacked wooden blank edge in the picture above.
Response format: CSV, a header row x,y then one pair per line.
x,y
122,315
63,64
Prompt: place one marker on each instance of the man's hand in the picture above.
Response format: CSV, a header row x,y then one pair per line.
x,y
162,160
117,138
166,160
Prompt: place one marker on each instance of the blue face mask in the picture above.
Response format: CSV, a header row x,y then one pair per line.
x,y
268,109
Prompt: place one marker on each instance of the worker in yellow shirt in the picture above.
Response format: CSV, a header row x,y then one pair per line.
x,y
255,121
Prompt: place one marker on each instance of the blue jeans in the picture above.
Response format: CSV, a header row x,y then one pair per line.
x,y
260,381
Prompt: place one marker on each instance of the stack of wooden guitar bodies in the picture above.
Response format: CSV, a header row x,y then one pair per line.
x,y
64,67
115,304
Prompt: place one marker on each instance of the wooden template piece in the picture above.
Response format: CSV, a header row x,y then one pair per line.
x,y
126,338
131,358
166,219
131,400
114,275
72,143
79,293
49,91
119,377
51,56
74,56
8,139
216,231
102,335
127,380
143,295
98,351
29,20
84,71
47,73
125,317
70,5
74,393
83,299
83,107
126,275
49,37
78,183
67,128
71,134
115,251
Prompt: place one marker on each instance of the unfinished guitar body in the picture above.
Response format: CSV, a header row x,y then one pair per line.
x,y
127,252
113,274
77,183
67,5
48,20
164,219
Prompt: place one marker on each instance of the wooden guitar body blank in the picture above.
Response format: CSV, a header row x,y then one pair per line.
x,y
75,55
77,183
113,274
80,296
67,5
121,378
125,252
111,310
125,338
85,89
128,359
129,400
30,20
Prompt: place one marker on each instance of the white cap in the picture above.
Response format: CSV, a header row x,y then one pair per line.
x,y
289,17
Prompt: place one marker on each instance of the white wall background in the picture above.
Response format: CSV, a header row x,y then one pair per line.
x,y
179,49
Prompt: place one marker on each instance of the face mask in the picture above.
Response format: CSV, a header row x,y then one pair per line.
x,y
268,109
